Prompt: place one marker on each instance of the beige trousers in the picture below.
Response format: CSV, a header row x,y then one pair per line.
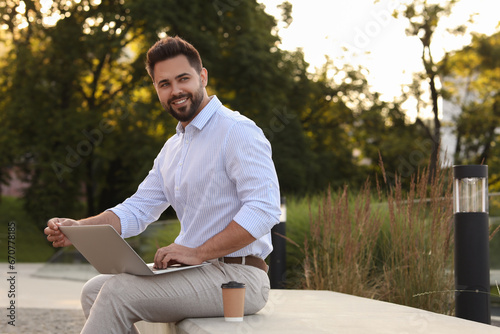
x,y
113,303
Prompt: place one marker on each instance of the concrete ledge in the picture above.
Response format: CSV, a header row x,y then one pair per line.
x,y
285,310
305,311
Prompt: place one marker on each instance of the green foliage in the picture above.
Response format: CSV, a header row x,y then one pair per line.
x,y
79,116
75,99
473,76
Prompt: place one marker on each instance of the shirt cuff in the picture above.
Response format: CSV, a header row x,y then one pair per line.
x,y
126,219
255,221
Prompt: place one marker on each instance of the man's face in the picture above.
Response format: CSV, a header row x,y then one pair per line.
x,y
180,88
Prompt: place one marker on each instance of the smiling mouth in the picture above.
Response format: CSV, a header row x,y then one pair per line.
x,y
180,101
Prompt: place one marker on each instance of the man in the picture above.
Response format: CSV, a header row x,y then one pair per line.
x,y
218,175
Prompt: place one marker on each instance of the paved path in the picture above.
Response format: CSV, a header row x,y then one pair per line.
x,y
51,286
43,305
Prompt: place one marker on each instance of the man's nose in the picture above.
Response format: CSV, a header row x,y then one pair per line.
x,y
176,89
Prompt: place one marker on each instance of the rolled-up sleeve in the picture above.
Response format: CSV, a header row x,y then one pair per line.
x,y
250,166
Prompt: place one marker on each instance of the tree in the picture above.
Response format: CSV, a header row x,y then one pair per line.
x,y
423,17
82,107
349,127
472,81
26,101
68,82
84,123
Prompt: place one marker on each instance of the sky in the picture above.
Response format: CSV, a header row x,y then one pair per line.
x,y
374,39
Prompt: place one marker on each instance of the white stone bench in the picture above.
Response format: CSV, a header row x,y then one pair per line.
x,y
306,311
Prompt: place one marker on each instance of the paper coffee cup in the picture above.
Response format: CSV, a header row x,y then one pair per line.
x,y
233,298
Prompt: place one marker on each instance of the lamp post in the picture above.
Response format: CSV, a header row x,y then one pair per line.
x,y
472,269
277,267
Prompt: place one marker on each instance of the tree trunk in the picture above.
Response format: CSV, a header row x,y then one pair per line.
x,y
437,129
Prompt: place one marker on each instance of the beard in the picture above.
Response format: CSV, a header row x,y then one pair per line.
x,y
186,113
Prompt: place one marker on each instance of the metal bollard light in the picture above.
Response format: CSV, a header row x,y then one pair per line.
x,y
472,265
277,265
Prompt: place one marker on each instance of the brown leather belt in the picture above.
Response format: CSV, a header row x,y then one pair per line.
x,y
249,260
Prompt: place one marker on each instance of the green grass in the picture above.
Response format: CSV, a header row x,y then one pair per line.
x,y
30,242
32,246
297,230
495,248
494,206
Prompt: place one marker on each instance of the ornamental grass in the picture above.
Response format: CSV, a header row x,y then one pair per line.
x,y
396,248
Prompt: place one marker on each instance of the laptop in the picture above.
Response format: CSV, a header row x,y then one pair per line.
x,y
109,253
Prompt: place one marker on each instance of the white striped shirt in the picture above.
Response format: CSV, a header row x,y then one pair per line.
x,y
216,170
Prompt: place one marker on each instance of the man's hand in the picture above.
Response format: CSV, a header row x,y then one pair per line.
x,y
231,239
55,235
174,253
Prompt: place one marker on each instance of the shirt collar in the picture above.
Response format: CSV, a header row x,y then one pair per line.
x,y
203,116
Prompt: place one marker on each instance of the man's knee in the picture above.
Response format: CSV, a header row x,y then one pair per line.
x,y
90,291
117,288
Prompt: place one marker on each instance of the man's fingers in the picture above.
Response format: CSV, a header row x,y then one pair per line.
x,y
165,261
47,230
54,234
163,258
158,258
54,223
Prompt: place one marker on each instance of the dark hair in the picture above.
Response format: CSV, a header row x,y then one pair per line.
x,y
170,47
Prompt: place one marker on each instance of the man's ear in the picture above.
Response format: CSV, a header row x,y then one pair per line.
x,y
204,77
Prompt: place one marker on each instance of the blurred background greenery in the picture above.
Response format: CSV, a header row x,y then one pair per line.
x,y
80,123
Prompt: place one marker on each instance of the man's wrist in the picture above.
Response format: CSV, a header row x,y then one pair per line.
x,y
200,253
104,218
